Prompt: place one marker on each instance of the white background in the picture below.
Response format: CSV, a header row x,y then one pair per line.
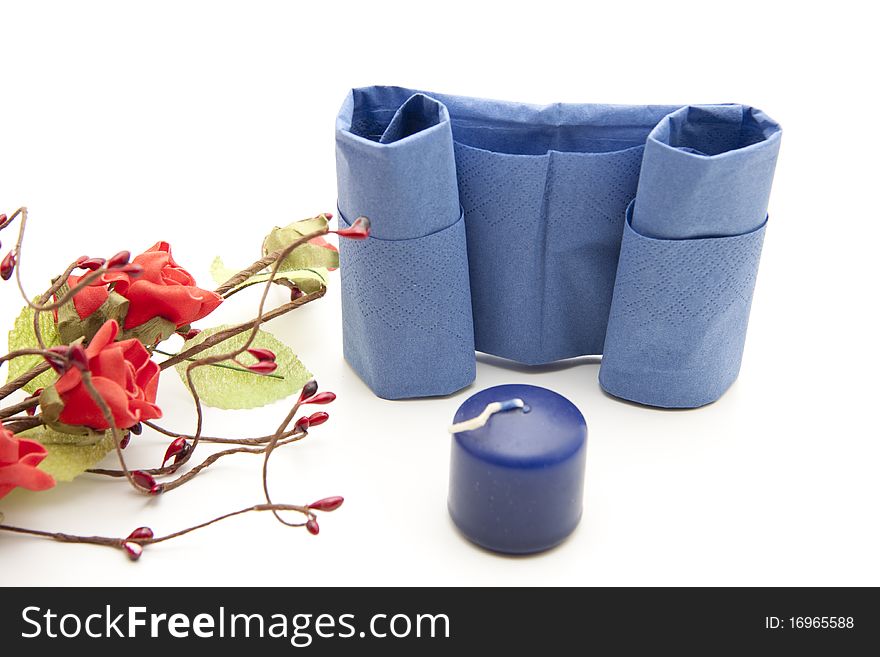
x,y
206,123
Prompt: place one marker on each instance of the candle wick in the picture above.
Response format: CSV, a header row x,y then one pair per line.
x,y
483,418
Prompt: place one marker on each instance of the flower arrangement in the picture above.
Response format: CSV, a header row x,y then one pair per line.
x,y
85,352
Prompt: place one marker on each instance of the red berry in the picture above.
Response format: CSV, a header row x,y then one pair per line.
x,y
323,398
36,395
177,446
133,270
187,448
312,527
309,390
262,354
263,367
318,418
57,358
76,354
133,550
327,503
146,481
92,263
125,440
328,216
141,533
119,260
7,266
302,424
359,230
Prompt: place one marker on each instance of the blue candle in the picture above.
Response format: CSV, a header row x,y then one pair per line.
x,y
517,472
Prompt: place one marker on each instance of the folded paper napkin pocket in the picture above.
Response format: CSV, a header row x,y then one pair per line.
x,y
406,312
538,233
679,316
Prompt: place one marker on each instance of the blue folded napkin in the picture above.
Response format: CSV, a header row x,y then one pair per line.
x,y
504,227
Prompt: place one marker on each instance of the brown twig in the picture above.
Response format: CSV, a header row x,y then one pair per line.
x,y
260,440
232,331
117,439
273,442
56,285
254,330
245,370
261,264
20,424
120,542
213,458
18,353
9,411
23,380
82,283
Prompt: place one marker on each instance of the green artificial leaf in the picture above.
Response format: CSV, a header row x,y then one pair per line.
x,y
71,327
306,256
307,280
22,337
151,332
306,267
69,456
223,387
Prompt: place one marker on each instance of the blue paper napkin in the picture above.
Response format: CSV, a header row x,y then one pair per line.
x,y
529,272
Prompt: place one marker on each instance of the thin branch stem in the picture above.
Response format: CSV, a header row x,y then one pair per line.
x,y
224,366
65,538
210,439
265,261
213,458
56,285
254,329
9,411
18,353
12,218
23,380
255,507
231,332
273,442
20,424
108,417
120,542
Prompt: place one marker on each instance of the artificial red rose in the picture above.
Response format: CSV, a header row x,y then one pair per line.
x,y
122,373
165,289
19,459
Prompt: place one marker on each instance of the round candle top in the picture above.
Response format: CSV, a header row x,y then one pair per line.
x,y
516,478
549,430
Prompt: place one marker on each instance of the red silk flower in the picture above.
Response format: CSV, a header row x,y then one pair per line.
x,y
122,373
165,289
19,458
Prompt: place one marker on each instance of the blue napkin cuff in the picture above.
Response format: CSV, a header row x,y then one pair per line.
x,y
678,320
407,328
